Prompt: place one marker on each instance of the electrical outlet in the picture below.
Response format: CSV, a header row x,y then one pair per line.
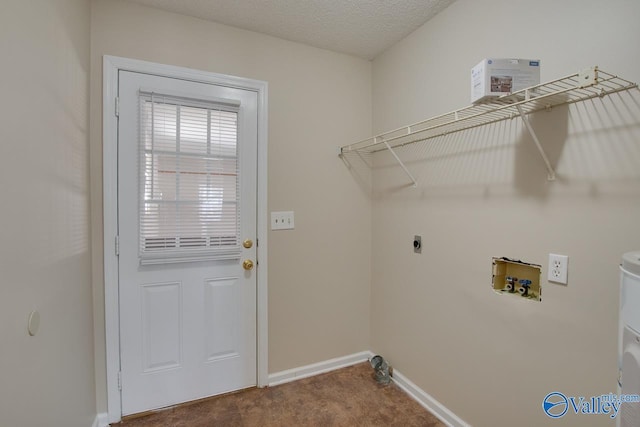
x,y
558,268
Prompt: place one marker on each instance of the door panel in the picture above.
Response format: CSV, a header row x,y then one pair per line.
x,y
222,339
161,326
187,327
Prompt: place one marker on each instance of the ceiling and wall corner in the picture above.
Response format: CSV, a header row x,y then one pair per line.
x,y
363,28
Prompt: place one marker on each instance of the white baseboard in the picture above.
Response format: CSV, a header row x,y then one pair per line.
x,y
317,368
427,401
101,420
415,392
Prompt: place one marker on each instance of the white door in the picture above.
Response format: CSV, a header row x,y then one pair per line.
x,y
187,156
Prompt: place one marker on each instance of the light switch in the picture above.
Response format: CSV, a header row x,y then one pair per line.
x,y
282,220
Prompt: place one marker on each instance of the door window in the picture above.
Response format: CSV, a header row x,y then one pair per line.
x,y
189,183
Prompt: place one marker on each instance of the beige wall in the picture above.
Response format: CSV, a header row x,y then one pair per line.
x,y
319,274
491,359
47,380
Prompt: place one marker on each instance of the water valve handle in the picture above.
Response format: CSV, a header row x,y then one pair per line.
x,y
525,283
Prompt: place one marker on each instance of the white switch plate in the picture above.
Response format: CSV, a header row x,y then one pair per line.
x,y
558,268
282,220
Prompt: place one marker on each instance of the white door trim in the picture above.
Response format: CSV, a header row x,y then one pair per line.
x,y
111,66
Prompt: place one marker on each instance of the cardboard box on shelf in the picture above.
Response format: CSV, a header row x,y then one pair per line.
x,y
496,77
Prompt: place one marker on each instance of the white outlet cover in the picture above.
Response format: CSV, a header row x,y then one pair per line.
x,y
558,270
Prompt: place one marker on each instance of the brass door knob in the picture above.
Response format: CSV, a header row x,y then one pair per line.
x,y
247,244
247,264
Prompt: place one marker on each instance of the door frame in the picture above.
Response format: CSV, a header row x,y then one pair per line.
x,y
110,68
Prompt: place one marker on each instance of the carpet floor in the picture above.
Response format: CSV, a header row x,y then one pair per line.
x,y
345,397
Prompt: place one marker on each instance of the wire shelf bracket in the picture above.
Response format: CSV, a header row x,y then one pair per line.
x,y
582,86
404,168
551,173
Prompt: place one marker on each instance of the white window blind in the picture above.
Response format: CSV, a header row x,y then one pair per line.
x,y
189,181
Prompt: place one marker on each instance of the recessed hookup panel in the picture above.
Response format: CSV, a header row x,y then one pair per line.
x,y
517,278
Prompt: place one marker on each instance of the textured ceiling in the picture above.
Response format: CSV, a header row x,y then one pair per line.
x,y
363,28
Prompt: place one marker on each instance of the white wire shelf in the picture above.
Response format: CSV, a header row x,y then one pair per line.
x,y
582,86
